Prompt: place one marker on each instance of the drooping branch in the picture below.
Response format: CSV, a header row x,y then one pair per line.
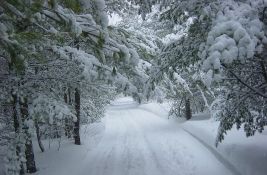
x,y
243,82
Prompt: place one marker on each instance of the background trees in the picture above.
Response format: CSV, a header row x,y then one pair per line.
x,y
55,74
225,44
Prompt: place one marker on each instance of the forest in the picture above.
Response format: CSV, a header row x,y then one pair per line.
x,y
133,87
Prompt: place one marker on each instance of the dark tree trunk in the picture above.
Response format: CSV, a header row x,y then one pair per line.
x,y
16,127
188,113
30,162
77,122
66,120
69,95
41,146
15,115
65,98
263,68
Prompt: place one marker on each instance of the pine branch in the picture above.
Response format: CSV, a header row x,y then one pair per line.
x,y
244,83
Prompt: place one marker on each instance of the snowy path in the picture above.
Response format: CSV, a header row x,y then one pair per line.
x,y
138,142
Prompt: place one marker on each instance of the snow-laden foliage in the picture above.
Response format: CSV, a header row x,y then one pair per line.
x,y
61,64
50,110
61,67
237,34
225,46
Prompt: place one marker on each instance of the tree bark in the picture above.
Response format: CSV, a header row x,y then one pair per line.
x,y
17,130
15,114
41,146
188,113
66,121
77,122
30,161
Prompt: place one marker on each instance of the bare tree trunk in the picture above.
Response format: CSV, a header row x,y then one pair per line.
x,y
68,122
263,67
66,98
69,95
17,130
41,146
31,167
77,122
188,113
179,107
30,162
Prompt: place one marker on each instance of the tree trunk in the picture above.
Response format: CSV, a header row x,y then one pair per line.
x,y
41,146
77,122
17,130
15,115
69,95
68,122
264,71
30,162
179,107
188,113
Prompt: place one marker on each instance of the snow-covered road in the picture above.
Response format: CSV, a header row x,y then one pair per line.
x,y
138,142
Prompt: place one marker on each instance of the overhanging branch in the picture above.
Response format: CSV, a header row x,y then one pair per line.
x,y
244,83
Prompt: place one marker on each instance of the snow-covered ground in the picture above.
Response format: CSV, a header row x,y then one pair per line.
x,y
139,140
65,158
243,155
247,155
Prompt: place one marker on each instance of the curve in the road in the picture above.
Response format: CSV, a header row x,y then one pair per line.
x,y
218,156
138,142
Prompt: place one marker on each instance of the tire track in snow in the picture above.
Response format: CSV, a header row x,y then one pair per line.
x,y
217,155
149,149
128,148
165,165
132,152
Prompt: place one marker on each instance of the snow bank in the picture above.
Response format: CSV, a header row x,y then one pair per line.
x,y
66,158
247,155
159,109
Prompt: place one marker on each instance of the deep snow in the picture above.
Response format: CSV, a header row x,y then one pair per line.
x,y
137,139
